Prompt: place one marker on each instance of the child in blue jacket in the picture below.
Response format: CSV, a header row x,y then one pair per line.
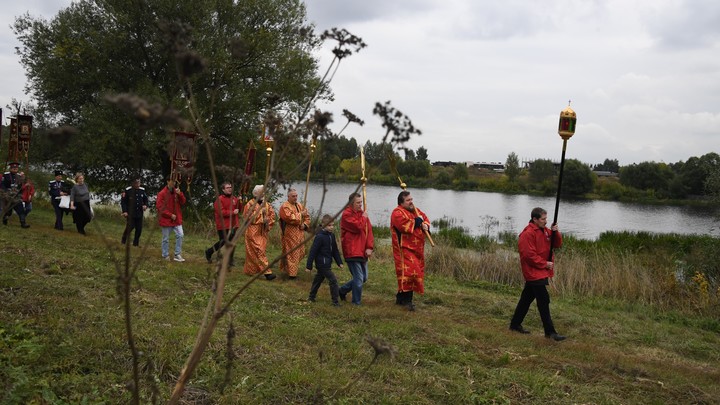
x,y
324,249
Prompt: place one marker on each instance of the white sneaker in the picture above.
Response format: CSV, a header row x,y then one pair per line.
x,y
179,258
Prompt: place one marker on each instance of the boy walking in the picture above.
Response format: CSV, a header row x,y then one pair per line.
x,y
324,249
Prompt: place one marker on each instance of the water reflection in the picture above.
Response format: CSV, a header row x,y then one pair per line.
x,y
472,209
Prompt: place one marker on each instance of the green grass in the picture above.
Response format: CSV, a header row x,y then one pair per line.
x,y
62,336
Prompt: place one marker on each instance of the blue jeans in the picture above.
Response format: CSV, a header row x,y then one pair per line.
x,y
166,239
359,273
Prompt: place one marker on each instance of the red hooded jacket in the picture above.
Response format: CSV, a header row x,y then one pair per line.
x,y
169,203
225,218
534,247
355,234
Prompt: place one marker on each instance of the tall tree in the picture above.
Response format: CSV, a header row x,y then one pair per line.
x,y
578,179
512,167
541,170
647,176
249,57
422,154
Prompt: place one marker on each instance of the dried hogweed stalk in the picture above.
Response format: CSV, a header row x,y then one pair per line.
x,y
146,114
346,41
353,118
395,122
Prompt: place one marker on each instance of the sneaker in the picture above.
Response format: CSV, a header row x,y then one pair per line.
x,y
208,255
179,258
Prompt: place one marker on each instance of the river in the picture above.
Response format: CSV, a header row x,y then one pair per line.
x,y
483,213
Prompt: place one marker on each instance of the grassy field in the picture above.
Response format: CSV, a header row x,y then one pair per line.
x,y
62,335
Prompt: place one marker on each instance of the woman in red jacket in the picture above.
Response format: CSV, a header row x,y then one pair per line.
x,y
534,247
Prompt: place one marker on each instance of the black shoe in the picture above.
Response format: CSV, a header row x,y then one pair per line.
x,y
519,329
136,244
292,277
311,299
4,220
269,277
208,255
336,304
555,337
343,296
411,307
24,226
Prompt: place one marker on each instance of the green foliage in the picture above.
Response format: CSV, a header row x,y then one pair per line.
x,y
578,179
610,188
458,236
422,154
512,167
541,170
238,53
695,172
459,172
647,176
609,165
61,330
415,168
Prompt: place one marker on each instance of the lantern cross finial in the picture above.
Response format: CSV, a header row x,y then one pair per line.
x,y
569,102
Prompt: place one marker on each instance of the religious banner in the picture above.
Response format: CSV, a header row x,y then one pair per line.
x,y
183,157
249,166
24,127
19,141
13,142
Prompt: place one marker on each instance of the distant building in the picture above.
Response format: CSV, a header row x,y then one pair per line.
x,y
604,173
444,164
494,166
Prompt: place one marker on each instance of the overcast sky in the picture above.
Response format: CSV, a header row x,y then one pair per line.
x,y
483,78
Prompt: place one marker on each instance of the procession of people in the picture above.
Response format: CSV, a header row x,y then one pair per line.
x,y
409,228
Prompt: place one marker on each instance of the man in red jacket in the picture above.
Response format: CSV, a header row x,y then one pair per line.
x,y
537,267
227,212
357,241
169,203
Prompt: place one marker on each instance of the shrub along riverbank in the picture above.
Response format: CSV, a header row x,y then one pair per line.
x,y
643,327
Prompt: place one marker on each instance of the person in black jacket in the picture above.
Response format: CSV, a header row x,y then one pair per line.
x,y
134,202
57,189
324,249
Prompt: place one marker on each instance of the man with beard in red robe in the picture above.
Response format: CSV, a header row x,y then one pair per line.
x,y
408,225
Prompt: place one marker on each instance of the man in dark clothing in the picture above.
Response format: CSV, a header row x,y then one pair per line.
x,y
134,202
57,189
10,187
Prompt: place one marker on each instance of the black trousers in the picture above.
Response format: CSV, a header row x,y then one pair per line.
x,y
404,298
59,212
137,225
534,291
221,242
321,275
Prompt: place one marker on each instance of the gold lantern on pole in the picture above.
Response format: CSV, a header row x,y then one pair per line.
x,y
566,129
